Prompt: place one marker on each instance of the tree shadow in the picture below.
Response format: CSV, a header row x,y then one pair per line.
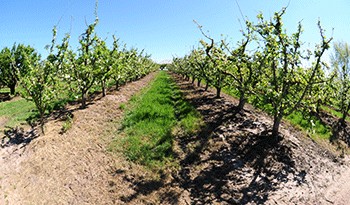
x,y
235,159
340,130
17,136
5,96
142,186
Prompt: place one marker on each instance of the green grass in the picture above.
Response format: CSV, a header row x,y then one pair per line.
x,y
67,124
309,124
17,112
4,90
151,117
332,112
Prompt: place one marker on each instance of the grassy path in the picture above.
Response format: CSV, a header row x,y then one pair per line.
x,y
153,119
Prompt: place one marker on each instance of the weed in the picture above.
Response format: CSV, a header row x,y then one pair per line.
x,y
67,124
122,106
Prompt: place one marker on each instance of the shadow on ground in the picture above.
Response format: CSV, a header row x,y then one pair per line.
x,y
17,136
232,160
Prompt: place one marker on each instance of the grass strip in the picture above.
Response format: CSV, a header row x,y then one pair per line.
x,y
16,112
151,117
307,123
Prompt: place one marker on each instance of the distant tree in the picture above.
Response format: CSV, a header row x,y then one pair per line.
x,y
217,64
341,64
12,63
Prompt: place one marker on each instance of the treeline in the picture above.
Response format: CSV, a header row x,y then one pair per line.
x,y
70,74
268,69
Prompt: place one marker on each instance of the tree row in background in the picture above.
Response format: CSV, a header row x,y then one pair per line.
x,y
269,68
66,74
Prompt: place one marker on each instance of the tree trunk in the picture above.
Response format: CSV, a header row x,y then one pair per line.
x,y
206,86
12,89
42,122
83,99
345,113
116,84
276,125
241,102
193,79
318,107
199,82
103,84
218,91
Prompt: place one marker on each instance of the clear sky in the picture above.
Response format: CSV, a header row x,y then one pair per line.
x,y
164,28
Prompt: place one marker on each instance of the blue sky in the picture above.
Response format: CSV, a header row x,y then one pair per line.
x,y
164,28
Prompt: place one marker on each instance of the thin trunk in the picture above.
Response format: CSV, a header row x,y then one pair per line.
x,y
42,122
218,91
242,101
103,84
12,89
83,99
199,82
345,113
276,125
117,84
206,86
318,107
193,79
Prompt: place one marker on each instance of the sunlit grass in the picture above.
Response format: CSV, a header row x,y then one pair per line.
x,y
16,112
307,123
150,118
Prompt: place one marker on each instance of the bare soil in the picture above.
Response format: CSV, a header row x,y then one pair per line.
x,y
70,168
232,160
238,162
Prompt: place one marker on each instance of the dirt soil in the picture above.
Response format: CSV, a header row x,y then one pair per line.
x,y
237,161
70,168
232,160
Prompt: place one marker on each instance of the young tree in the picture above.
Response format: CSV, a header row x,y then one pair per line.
x,y
83,68
217,64
242,69
40,79
285,82
103,63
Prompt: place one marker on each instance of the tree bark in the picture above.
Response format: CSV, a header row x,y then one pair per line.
x,y
12,89
199,82
83,99
218,91
116,84
276,125
103,84
42,122
206,86
242,101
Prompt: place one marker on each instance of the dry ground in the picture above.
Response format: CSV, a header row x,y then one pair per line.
x,y
232,160
72,168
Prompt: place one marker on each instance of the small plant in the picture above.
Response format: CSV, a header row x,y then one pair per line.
x,y
122,106
67,123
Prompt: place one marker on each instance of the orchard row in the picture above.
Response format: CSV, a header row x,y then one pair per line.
x,y
270,68
66,73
